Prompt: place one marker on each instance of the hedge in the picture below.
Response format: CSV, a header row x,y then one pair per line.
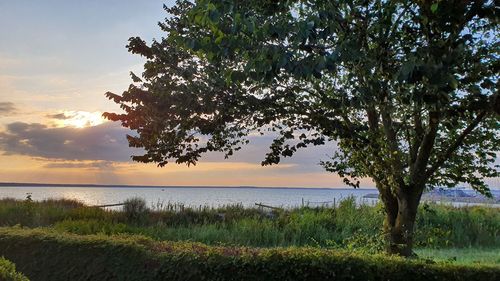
x,y
45,255
8,271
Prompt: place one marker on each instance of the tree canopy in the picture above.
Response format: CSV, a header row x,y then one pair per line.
x,y
408,90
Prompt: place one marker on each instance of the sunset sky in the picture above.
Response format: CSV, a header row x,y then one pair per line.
x,y
57,59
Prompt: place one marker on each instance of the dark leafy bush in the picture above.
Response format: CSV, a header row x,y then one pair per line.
x,y
135,209
8,271
54,256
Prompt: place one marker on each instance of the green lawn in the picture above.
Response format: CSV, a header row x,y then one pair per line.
x,y
462,256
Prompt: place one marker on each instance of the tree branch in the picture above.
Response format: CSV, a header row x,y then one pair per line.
x,y
456,144
395,157
391,30
372,114
419,133
425,149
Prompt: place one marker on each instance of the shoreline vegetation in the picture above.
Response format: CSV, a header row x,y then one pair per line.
x,y
348,225
450,242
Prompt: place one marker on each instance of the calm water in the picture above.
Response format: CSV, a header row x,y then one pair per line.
x,y
191,196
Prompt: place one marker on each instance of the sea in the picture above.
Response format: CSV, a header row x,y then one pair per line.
x,y
193,196
218,196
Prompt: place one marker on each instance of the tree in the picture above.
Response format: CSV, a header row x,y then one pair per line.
x,y
407,89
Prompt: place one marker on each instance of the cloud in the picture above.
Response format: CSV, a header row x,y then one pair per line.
x,y
89,165
106,142
7,108
58,116
103,142
304,160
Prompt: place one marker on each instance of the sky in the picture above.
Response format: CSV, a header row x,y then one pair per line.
x,y
58,58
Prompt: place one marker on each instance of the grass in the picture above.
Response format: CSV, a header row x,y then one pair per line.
x,y
489,256
440,228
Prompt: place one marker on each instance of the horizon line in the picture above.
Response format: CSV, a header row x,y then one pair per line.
x,y
33,184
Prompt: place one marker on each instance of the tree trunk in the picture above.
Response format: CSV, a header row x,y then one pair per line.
x,y
401,212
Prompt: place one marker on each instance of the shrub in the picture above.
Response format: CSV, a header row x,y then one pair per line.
x,y
52,256
8,271
135,209
361,243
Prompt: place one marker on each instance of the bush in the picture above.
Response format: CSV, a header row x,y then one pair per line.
x,y
8,271
135,209
54,256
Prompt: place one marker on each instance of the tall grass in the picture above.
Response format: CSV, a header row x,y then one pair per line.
x,y
42,213
347,225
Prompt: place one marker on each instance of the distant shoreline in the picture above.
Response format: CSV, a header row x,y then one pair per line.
x,y
22,184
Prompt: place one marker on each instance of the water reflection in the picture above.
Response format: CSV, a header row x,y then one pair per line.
x,y
194,197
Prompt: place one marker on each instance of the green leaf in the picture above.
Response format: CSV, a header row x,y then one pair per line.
x,y
406,70
453,82
198,19
219,38
434,7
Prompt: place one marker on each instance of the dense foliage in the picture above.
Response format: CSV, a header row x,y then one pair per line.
x,y
45,255
408,90
8,271
347,226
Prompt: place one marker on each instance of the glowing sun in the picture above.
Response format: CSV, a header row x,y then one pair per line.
x,y
81,119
